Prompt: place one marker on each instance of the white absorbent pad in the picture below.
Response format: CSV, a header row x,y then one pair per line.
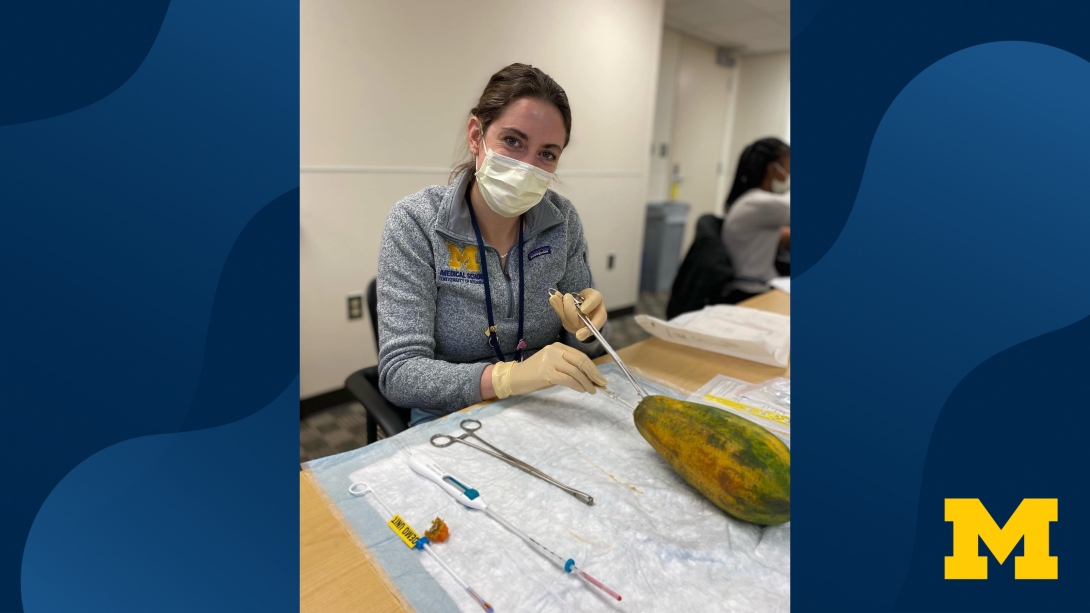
x,y
649,536
741,332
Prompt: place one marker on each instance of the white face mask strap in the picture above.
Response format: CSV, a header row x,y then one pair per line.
x,y
783,170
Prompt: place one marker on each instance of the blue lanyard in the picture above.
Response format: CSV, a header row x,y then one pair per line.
x,y
493,338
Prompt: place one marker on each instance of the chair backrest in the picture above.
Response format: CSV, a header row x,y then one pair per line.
x,y
709,226
705,271
372,308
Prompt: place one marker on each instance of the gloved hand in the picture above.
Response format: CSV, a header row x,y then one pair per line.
x,y
555,364
593,307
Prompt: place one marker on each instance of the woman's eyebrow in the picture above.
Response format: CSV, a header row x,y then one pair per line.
x,y
518,133
523,136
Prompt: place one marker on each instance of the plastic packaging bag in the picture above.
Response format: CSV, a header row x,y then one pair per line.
x,y
767,404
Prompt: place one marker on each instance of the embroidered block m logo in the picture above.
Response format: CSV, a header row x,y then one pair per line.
x,y
463,257
973,523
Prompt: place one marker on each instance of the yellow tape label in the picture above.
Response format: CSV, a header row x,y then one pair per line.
x,y
762,413
403,530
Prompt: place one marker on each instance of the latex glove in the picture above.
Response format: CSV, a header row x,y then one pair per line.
x,y
593,307
555,364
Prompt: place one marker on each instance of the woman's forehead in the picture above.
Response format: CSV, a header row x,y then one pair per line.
x,y
537,119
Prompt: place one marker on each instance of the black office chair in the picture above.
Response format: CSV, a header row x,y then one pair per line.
x,y
706,272
363,385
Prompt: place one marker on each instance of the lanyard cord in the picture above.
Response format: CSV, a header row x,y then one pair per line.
x,y
493,338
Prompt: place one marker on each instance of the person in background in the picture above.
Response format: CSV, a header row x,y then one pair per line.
x,y
757,225
464,311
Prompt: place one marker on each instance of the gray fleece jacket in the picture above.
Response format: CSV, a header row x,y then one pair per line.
x,y
431,307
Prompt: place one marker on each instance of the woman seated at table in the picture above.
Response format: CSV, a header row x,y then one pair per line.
x,y
758,219
464,270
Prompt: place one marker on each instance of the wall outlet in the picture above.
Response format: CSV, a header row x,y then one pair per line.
x,y
355,306
609,261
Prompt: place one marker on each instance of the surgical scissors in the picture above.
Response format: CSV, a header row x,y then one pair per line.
x,y
471,426
579,299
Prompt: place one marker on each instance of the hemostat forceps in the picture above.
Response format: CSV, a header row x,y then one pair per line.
x,y
472,425
642,393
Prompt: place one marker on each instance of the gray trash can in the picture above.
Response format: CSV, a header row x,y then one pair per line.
x,y
662,244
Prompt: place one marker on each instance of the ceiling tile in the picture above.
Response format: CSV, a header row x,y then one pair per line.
x,y
752,26
771,6
710,12
783,17
753,35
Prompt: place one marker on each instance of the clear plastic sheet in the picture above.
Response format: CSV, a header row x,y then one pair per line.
x,y
767,404
776,391
649,536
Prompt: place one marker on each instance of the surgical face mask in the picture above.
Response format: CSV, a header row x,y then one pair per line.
x,y
510,187
781,187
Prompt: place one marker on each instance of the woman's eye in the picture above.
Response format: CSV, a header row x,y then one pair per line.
x,y
511,141
549,155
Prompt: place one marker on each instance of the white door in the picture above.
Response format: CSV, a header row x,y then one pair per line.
x,y
700,116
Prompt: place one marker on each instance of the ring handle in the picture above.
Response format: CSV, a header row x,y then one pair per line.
x,y
363,488
470,425
576,296
441,440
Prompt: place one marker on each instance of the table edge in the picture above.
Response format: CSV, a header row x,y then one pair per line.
x,y
355,538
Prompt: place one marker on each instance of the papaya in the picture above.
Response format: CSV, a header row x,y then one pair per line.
x,y
736,464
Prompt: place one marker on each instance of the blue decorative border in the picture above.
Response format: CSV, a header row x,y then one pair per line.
x,y
940,305
149,159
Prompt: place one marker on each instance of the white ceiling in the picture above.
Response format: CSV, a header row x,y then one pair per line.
x,y
747,26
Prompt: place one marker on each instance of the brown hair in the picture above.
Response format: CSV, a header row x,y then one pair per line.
x,y
513,83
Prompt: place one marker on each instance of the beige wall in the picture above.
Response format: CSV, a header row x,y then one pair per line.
x,y
701,111
386,88
663,131
693,117
763,105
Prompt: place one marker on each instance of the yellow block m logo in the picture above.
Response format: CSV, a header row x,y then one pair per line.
x,y
1030,521
463,257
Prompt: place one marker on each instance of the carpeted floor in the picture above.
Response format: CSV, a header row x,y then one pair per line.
x,y
343,428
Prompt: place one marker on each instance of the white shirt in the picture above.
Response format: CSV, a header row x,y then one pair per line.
x,y
751,233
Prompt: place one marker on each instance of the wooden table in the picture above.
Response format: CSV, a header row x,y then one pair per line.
x,y
335,575
688,368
